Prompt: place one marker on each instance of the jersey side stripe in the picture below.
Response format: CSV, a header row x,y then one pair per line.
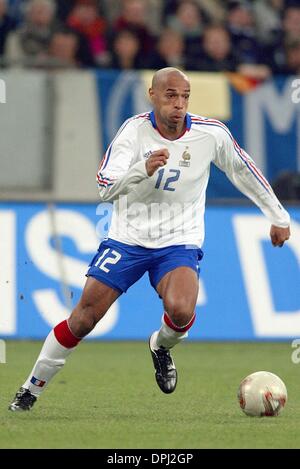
x,y
254,170
104,180
106,157
251,164
103,183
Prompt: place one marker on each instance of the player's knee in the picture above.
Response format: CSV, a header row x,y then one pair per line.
x,y
84,318
86,322
179,311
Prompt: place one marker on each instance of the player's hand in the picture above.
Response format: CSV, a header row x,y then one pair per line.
x,y
279,235
158,158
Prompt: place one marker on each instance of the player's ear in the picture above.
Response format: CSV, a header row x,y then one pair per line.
x,y
151,93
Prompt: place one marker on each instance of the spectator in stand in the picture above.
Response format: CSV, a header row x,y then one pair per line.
x,y
134,17
268,15
188,21
29,44
112,10
16,9
216,54
213,11
249,52
85,19
241,25
290,32
126,51
292,58
291,21
63,50
64,8
7,24
169,51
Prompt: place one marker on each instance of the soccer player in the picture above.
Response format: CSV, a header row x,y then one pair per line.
x,y
155,172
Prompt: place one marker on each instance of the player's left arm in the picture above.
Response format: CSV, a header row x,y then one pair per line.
x,y
244,174
118,173
279,235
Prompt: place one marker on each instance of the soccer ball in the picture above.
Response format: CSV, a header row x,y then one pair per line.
x,y
262,394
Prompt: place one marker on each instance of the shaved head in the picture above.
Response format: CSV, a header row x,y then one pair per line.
x,y
161,76
169,95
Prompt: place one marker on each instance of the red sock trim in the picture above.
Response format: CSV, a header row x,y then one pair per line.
x,y
64,335
173,326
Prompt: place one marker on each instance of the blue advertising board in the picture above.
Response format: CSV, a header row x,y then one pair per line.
x,y
247,289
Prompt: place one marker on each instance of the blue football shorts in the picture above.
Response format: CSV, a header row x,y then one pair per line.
x,y
120,265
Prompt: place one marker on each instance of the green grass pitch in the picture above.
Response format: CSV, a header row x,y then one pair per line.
x,y
107,397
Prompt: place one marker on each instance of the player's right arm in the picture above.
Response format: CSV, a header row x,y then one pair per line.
x,y
117,174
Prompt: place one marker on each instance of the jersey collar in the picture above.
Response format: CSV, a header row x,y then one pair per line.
x,y
188,122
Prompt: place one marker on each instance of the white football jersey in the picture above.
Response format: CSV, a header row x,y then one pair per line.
x,y
168,208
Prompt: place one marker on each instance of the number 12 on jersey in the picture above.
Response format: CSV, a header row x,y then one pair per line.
x,y
169,180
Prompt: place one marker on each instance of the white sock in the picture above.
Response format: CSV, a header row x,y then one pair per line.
x,y
51,359
167,336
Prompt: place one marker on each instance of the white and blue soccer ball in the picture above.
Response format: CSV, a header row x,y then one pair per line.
x,y
262,394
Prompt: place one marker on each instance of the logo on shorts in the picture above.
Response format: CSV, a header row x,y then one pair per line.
x,y
186,156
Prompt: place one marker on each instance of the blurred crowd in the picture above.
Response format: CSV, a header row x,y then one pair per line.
x,y
256,38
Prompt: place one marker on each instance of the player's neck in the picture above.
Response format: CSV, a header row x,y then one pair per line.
x,y
171,133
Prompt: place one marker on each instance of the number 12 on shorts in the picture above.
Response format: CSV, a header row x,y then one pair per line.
x,y
111,259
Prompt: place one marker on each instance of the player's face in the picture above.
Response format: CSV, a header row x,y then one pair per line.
x,y
170,100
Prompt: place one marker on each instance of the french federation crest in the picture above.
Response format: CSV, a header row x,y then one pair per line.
x,y
186,157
